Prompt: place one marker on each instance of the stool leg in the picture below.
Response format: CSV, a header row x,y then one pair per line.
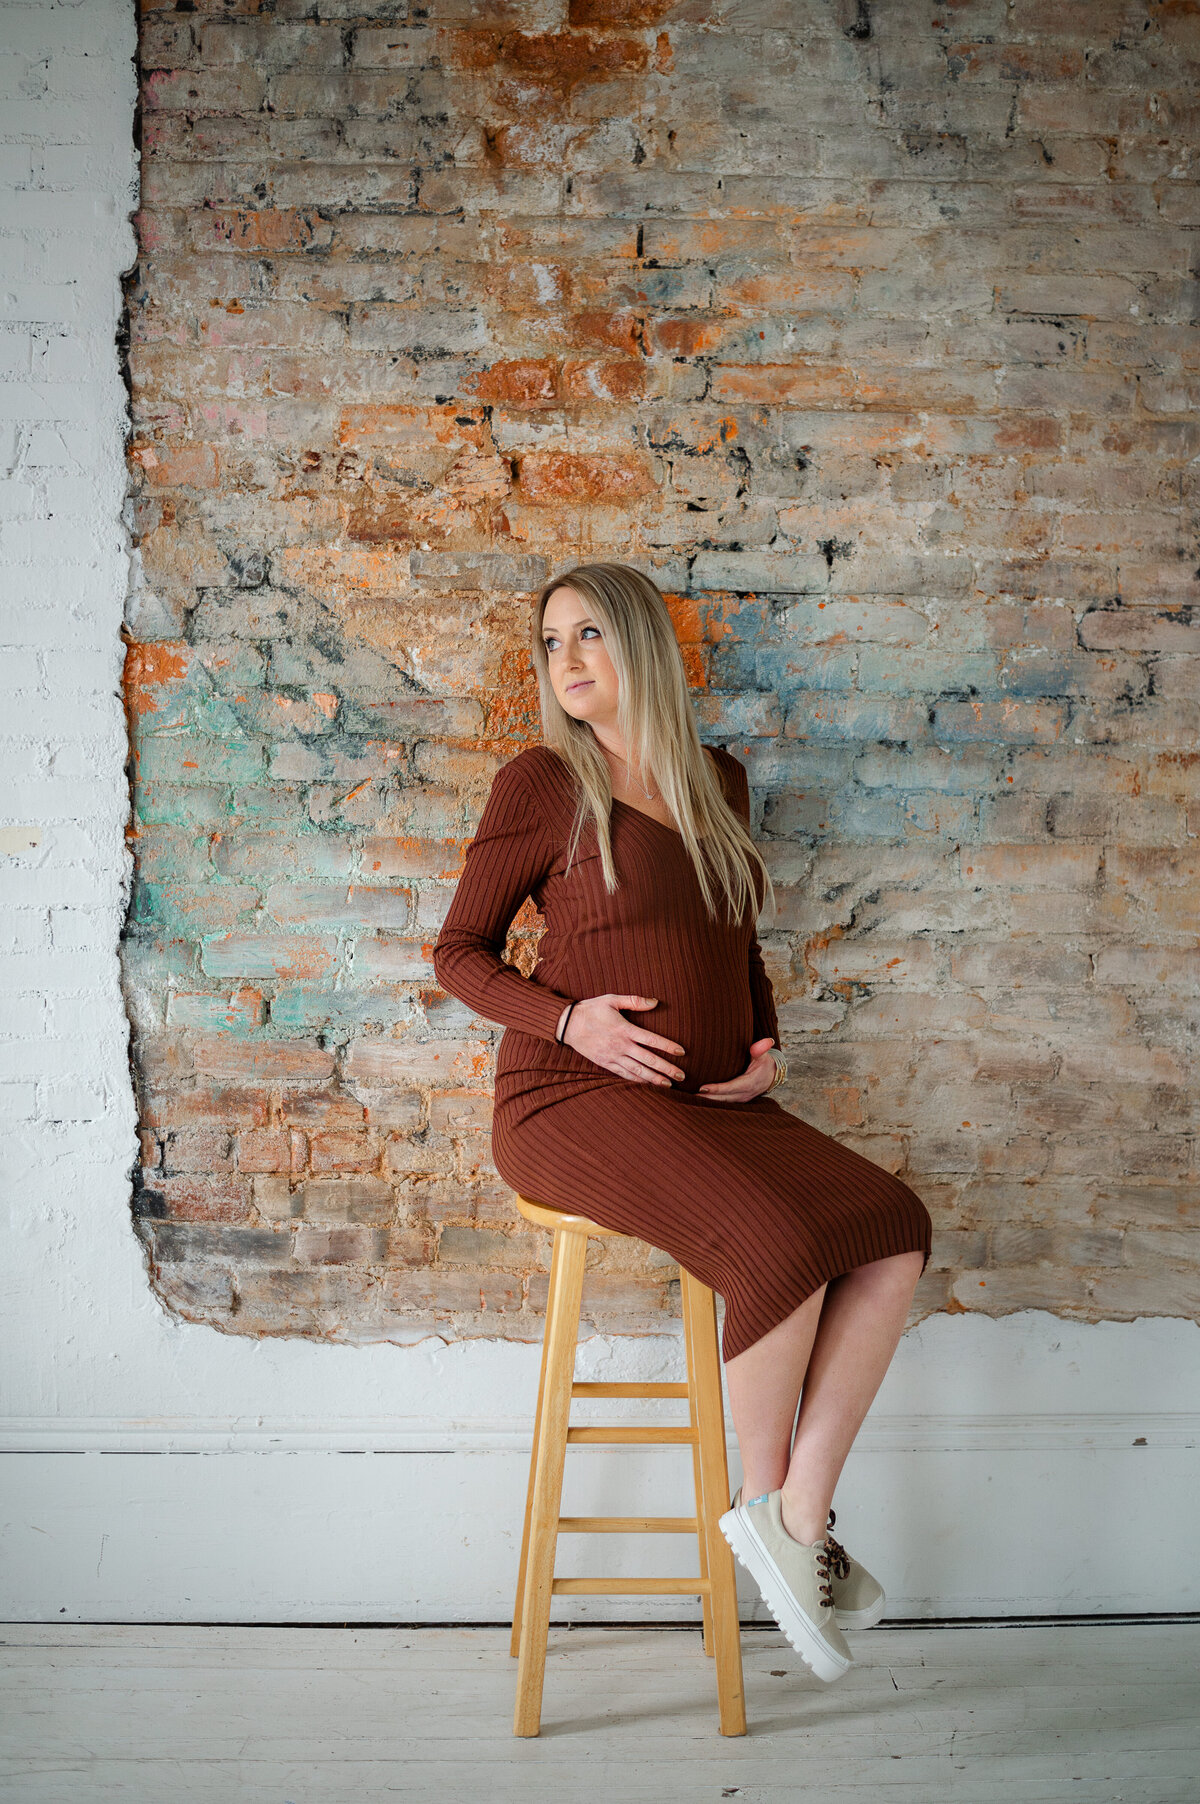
x,y
514,1647
714,1468
562,1336
708,1639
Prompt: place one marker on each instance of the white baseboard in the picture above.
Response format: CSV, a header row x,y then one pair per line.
x,y
212,1521
890,1434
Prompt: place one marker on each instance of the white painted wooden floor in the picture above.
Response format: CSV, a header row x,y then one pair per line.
x,y
1102,1713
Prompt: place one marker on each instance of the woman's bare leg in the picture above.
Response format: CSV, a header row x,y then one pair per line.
x,y
836,1355
764,1389
861,1323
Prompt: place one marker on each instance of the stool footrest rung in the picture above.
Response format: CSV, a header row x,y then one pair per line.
x,y
647,1587
643,1436
586,1388
628,1525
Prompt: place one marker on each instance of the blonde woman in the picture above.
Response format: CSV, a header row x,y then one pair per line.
x,y
633,1079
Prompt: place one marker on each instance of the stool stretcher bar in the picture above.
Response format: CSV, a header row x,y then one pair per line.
x,y
628,1525
585,1387
649,1587
643,1437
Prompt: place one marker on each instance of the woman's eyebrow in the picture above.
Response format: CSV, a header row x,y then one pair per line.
x,y
585,620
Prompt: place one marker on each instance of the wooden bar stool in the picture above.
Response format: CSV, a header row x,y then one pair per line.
x,y
704,1434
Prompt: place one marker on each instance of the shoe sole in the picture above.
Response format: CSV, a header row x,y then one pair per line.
x,y
748,1547
860,1619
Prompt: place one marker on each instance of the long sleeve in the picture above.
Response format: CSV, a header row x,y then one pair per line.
x,y
765,1019
509,853
766,1022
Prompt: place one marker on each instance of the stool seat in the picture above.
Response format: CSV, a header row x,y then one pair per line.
x,y
704,1434
559,1218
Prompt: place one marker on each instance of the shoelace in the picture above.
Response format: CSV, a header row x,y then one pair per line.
x,y
823,1582
839,1559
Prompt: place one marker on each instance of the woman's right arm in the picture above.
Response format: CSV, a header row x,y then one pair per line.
x,y
511,850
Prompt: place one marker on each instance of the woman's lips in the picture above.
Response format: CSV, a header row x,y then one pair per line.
x,y
584,683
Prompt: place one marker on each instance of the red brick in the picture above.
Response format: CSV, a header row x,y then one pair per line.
x,y
195,1149
1032,867
203,1197
321,1108
224,1105
264,1059
264,229
262,955
340,1246
276,1149
346,1152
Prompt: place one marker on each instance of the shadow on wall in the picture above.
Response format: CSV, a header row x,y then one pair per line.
x,y
867,342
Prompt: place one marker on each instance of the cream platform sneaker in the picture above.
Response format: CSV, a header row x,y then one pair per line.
x,y
793,1578
858,1598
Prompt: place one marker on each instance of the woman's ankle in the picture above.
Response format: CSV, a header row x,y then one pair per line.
x,y
758,1484
804,1520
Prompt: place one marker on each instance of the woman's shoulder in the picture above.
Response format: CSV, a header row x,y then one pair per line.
x,y
536,767
540,777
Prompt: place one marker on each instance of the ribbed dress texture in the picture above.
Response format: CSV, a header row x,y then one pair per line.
x,y
749,1198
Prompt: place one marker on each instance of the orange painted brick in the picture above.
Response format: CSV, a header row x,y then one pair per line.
x,y
604,379
521,383
551,477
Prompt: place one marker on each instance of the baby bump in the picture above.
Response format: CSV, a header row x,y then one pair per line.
x,y
711,1018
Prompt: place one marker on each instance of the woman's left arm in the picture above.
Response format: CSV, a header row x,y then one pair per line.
x,y
759,1074
766,1021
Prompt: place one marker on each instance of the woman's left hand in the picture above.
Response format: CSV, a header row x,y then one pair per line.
x,y
758,1076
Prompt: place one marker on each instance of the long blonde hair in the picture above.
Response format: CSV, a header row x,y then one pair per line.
x,y
655,721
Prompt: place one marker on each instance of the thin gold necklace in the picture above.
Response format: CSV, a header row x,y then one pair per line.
x,y
640,784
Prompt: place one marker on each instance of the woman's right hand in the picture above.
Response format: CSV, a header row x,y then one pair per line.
x,y
597,1029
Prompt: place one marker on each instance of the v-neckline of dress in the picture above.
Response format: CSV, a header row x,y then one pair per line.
x,y
633,809
630,807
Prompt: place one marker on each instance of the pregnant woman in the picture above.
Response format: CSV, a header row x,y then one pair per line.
x,y
632,1081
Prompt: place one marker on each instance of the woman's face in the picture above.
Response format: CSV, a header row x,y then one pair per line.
x,y
580,668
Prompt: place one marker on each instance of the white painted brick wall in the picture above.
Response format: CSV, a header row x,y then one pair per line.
x,y
68,183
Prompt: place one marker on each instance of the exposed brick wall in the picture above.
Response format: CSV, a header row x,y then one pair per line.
x,y
867,329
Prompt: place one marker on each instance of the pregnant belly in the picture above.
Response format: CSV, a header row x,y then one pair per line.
x,y
714,1025
706,1009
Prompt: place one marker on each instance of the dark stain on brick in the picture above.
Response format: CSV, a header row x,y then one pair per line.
x,y
859,27
147,1204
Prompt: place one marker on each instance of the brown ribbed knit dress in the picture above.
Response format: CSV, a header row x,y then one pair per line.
x,y
753,1201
